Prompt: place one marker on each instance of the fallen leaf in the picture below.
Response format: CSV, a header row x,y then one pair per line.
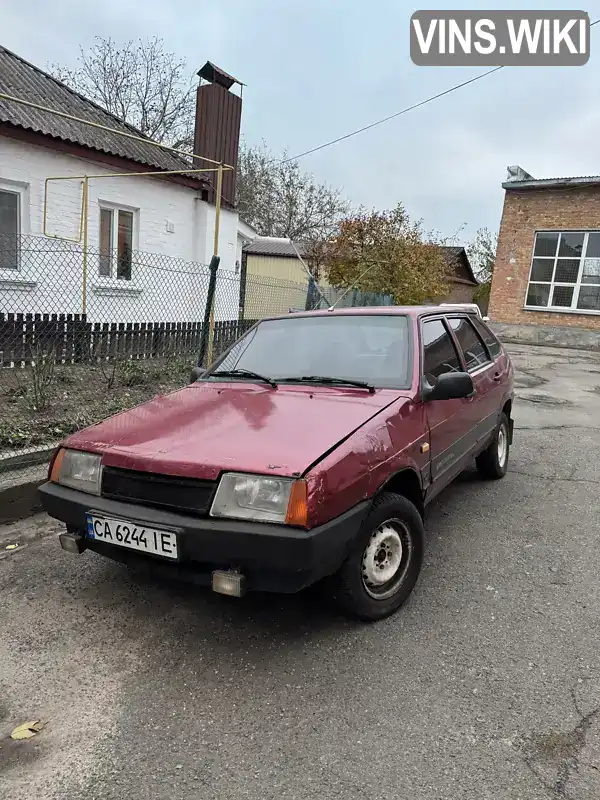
x,y
27,729
11,546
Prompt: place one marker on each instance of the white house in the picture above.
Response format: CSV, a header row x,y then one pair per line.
x,y
149,238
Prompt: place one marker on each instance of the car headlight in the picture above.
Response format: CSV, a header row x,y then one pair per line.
x,y
77,470
261,498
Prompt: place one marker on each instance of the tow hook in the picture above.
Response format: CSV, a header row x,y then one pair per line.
x,y
73,543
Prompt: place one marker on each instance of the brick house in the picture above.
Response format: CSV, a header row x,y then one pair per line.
x,y
546,283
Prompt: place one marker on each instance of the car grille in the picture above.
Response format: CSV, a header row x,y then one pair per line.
x,y
159,491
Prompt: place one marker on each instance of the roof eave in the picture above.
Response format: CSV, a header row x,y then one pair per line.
x,y
552,183
97,155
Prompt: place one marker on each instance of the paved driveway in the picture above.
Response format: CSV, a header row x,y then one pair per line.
x,y
486,685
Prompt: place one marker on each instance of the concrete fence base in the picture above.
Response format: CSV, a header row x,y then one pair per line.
x,y
549,336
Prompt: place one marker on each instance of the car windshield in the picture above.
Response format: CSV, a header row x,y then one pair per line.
x,y
371,348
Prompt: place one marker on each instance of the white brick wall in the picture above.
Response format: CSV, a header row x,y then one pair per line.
x,y
171,221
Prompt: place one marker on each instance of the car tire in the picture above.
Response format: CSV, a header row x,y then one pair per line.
x,y
493,462
382,569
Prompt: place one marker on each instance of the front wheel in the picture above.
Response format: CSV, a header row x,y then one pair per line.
x,y
383,567
493,462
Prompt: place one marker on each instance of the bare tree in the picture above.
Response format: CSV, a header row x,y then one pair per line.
x,y
278,199
146,86
140,83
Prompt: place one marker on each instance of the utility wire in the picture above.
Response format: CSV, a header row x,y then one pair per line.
x,y
403,111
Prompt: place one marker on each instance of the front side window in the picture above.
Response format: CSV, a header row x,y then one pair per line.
x,y
565,271
371,348
439,352
9,229
494,347
474,350
116,243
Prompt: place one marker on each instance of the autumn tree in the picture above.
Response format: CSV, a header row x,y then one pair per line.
x,y
278,199
482,255
141,83
385,252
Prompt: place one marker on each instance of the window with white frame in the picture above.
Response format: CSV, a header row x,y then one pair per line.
x,y
10,228
565,271
116,243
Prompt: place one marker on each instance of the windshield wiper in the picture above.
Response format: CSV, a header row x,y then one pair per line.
x,y
243,373
330,381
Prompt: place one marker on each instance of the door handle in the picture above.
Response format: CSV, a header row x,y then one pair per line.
x,y
497,376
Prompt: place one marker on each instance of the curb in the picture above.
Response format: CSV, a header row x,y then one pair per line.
x,y
20,501
21,474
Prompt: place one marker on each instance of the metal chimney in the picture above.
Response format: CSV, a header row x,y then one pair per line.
x,y
217,129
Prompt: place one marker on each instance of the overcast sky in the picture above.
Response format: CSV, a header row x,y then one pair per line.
x,y
316,69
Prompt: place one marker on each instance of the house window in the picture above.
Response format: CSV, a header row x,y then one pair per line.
x,y
565,271
116,243
10,219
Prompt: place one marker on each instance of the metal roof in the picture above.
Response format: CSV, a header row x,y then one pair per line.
x,y
26,81
213,74
271,246
541,183
518,178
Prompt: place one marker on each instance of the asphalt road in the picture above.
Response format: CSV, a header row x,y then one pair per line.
x,y
485,685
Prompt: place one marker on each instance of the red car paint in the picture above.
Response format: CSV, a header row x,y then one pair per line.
x,y
346,441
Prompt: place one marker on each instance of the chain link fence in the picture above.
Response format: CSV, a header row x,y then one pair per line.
x,y
84,335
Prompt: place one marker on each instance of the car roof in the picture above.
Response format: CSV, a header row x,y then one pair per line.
x,y
410,311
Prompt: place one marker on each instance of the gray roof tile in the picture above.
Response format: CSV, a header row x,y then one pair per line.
x,y
24,80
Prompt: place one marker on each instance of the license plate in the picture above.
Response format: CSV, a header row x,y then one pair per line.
x,y
125,533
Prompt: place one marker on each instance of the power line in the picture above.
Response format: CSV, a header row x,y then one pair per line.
x,y
403,111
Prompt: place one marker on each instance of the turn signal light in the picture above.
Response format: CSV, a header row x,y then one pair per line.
x,y
56,465
297,512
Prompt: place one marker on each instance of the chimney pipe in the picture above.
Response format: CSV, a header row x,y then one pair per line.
x,y
217,129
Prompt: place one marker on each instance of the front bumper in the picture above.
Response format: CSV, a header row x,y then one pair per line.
x,y
271,557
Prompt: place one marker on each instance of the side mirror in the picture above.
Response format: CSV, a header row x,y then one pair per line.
x,y
449,386
196,373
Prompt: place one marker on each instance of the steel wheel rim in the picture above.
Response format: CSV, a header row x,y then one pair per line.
x,y
502,445
385,559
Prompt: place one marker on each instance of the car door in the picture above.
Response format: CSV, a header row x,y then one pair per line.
x,y
449,421
478,362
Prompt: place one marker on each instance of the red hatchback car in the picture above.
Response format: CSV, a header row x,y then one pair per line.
x,y
308,451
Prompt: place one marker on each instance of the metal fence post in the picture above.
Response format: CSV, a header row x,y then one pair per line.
x,y
210,295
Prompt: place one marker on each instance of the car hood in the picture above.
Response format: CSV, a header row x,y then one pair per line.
x,y
208,428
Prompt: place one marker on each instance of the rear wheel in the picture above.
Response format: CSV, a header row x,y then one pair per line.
x,y
493,462
383,567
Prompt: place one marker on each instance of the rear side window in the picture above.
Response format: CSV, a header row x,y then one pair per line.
x,y
439,352
493,345
476,354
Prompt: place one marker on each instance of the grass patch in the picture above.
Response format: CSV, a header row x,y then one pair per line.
x,y
79,395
